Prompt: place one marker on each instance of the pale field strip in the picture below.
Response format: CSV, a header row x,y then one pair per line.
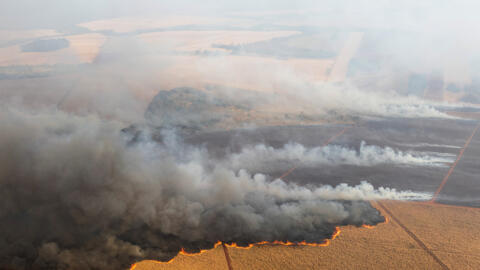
x,y
457,72
130,24
340,68
86,46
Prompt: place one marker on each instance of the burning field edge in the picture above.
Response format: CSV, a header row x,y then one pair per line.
x,y
324,243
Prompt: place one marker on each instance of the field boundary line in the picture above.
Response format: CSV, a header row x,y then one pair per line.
x,y
413,236
327,142
452,168
227,256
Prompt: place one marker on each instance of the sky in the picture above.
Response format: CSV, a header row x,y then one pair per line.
x,y
31,13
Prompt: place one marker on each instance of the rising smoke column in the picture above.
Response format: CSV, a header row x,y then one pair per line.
x,y
74,194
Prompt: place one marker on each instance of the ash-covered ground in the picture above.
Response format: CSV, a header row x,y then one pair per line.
x,y
442,138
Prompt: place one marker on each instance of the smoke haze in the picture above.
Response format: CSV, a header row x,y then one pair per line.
x,y
97,99
164,51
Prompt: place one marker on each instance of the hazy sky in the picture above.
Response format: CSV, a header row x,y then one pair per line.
x,y
56,13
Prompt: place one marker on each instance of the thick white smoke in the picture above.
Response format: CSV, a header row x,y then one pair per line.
x,y
258,156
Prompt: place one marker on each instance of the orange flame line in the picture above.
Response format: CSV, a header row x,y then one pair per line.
x,y
366,226
325,243
184,252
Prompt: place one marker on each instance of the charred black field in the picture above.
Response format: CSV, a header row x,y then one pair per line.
x,y
443,136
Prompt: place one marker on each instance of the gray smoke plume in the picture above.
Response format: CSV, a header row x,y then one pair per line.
x,y
76,193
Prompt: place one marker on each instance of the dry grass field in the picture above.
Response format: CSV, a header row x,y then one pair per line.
x,y
339,71
129,24
450,232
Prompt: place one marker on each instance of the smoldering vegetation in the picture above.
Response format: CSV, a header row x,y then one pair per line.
x,y
77,193
194,110
253,157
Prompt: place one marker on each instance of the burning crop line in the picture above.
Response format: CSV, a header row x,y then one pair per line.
x,y
413,236
225,246
450,171
368,226
183,252
325,243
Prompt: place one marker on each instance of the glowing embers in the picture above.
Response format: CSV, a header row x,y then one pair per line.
x,y
374,226
325,243
184,252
